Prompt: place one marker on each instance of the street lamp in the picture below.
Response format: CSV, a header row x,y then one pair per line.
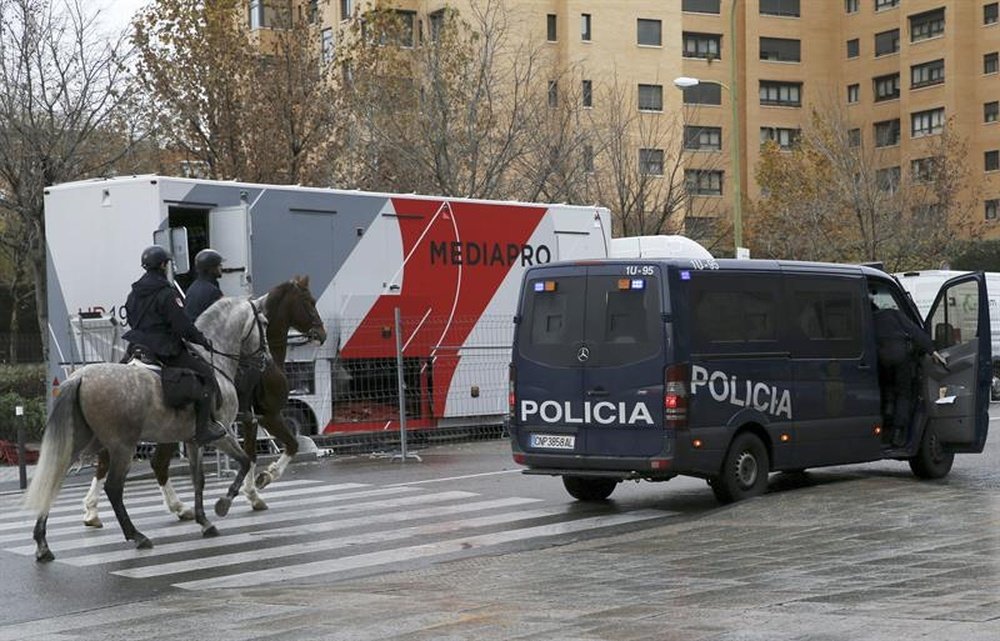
x,y
684,82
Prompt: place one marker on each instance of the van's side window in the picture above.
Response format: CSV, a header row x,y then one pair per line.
x,y
826,317
734,313
957,320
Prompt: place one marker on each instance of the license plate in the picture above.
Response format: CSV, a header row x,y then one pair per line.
x,y
553,441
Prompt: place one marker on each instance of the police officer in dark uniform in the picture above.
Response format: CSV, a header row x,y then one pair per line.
x,y
900,343
159,325
205,289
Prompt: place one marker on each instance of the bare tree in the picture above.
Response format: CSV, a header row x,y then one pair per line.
x,y
837,198
63,91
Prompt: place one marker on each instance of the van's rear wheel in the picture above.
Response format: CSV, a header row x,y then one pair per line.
x,y
931,461
744,470
588,489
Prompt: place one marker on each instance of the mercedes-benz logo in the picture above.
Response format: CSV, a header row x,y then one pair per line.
x,y
583,354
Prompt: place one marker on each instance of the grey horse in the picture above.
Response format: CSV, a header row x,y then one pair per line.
x,y
113,406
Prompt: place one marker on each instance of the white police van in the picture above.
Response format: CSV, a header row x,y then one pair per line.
x,y
730,369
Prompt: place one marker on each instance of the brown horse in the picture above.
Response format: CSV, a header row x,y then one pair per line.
x,y
288,305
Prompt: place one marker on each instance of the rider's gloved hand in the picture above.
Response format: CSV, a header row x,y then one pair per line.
x,y
940,359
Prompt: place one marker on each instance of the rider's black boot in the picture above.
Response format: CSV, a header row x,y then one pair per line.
x,y
206,429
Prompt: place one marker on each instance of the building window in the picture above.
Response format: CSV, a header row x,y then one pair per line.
x,y
346,9
990,13
922,170
651,162
887,179
701,6
925,123
550,27
886,42
992,206
990,63
587,93
702,45
928,24
326,45
703,182
851,6
256,14
784,94
887,133
779,8
704,93
783,137
854,137
585,24
853,93
407,21
886,87
781,49
991,111
650,97
702,138
991,160
853,48
553,93
588,158
649,32
926,74
436,23
882,5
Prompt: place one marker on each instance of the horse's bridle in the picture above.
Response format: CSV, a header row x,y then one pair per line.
x,y
260,353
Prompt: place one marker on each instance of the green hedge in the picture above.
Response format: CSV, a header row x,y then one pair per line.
x,y
33,419
22,385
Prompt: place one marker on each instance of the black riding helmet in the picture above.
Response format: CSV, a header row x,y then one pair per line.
x,y
154,257
207,261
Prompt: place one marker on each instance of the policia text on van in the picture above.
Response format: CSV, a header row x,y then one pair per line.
x,y
728,370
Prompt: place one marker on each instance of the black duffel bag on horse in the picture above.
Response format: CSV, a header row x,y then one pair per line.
x,y
181,386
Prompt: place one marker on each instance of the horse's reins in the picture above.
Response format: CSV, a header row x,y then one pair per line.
x,y
261,346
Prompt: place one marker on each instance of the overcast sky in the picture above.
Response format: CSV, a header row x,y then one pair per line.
x,y
117,14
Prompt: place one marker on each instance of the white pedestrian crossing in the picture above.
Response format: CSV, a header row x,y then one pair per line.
x,y
312,529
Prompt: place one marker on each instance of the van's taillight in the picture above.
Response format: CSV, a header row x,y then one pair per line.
x,y
511,401
675,395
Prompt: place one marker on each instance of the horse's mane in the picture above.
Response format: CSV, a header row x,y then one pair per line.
x,y
276,295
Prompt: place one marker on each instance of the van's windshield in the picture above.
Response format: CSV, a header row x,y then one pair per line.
x,y
617,318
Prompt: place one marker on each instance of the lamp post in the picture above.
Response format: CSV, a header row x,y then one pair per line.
x,y
683,82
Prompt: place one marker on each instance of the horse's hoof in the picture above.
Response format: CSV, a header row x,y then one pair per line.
x,y
210,532
186,515
143,543
94,522
222,506
263,480
44,556
258,504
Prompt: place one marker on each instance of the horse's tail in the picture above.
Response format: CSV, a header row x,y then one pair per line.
x,y
57,447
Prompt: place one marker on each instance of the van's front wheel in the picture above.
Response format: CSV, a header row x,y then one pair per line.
x,y
589,489
931,461
744,470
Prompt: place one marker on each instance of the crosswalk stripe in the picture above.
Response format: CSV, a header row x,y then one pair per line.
x,y
70,526
75,503
268,536
424,551
311,547
259,518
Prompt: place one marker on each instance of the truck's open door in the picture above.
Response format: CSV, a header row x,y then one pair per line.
x,y
229,234
958,397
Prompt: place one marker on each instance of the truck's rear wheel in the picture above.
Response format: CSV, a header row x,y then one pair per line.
x,y
589,489
931,461
744,470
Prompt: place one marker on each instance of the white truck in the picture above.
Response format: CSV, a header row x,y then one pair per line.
x,y
923,285
451,266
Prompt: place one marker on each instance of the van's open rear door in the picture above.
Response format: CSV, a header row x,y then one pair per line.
x,y
229,229
958,398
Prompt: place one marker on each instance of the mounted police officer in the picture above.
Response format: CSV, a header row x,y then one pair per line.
x,y
160,326
205,289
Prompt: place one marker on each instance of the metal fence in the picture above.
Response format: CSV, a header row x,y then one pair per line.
x,y
20,348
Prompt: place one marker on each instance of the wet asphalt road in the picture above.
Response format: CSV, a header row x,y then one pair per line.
x,y
800,548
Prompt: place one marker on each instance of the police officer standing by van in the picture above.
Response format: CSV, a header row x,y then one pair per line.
x,y
900,342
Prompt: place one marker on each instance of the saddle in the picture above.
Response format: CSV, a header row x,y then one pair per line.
x,y
181,386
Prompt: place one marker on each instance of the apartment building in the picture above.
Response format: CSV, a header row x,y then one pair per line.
x,y
898,69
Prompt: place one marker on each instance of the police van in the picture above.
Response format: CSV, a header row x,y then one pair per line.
x,y
730,369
